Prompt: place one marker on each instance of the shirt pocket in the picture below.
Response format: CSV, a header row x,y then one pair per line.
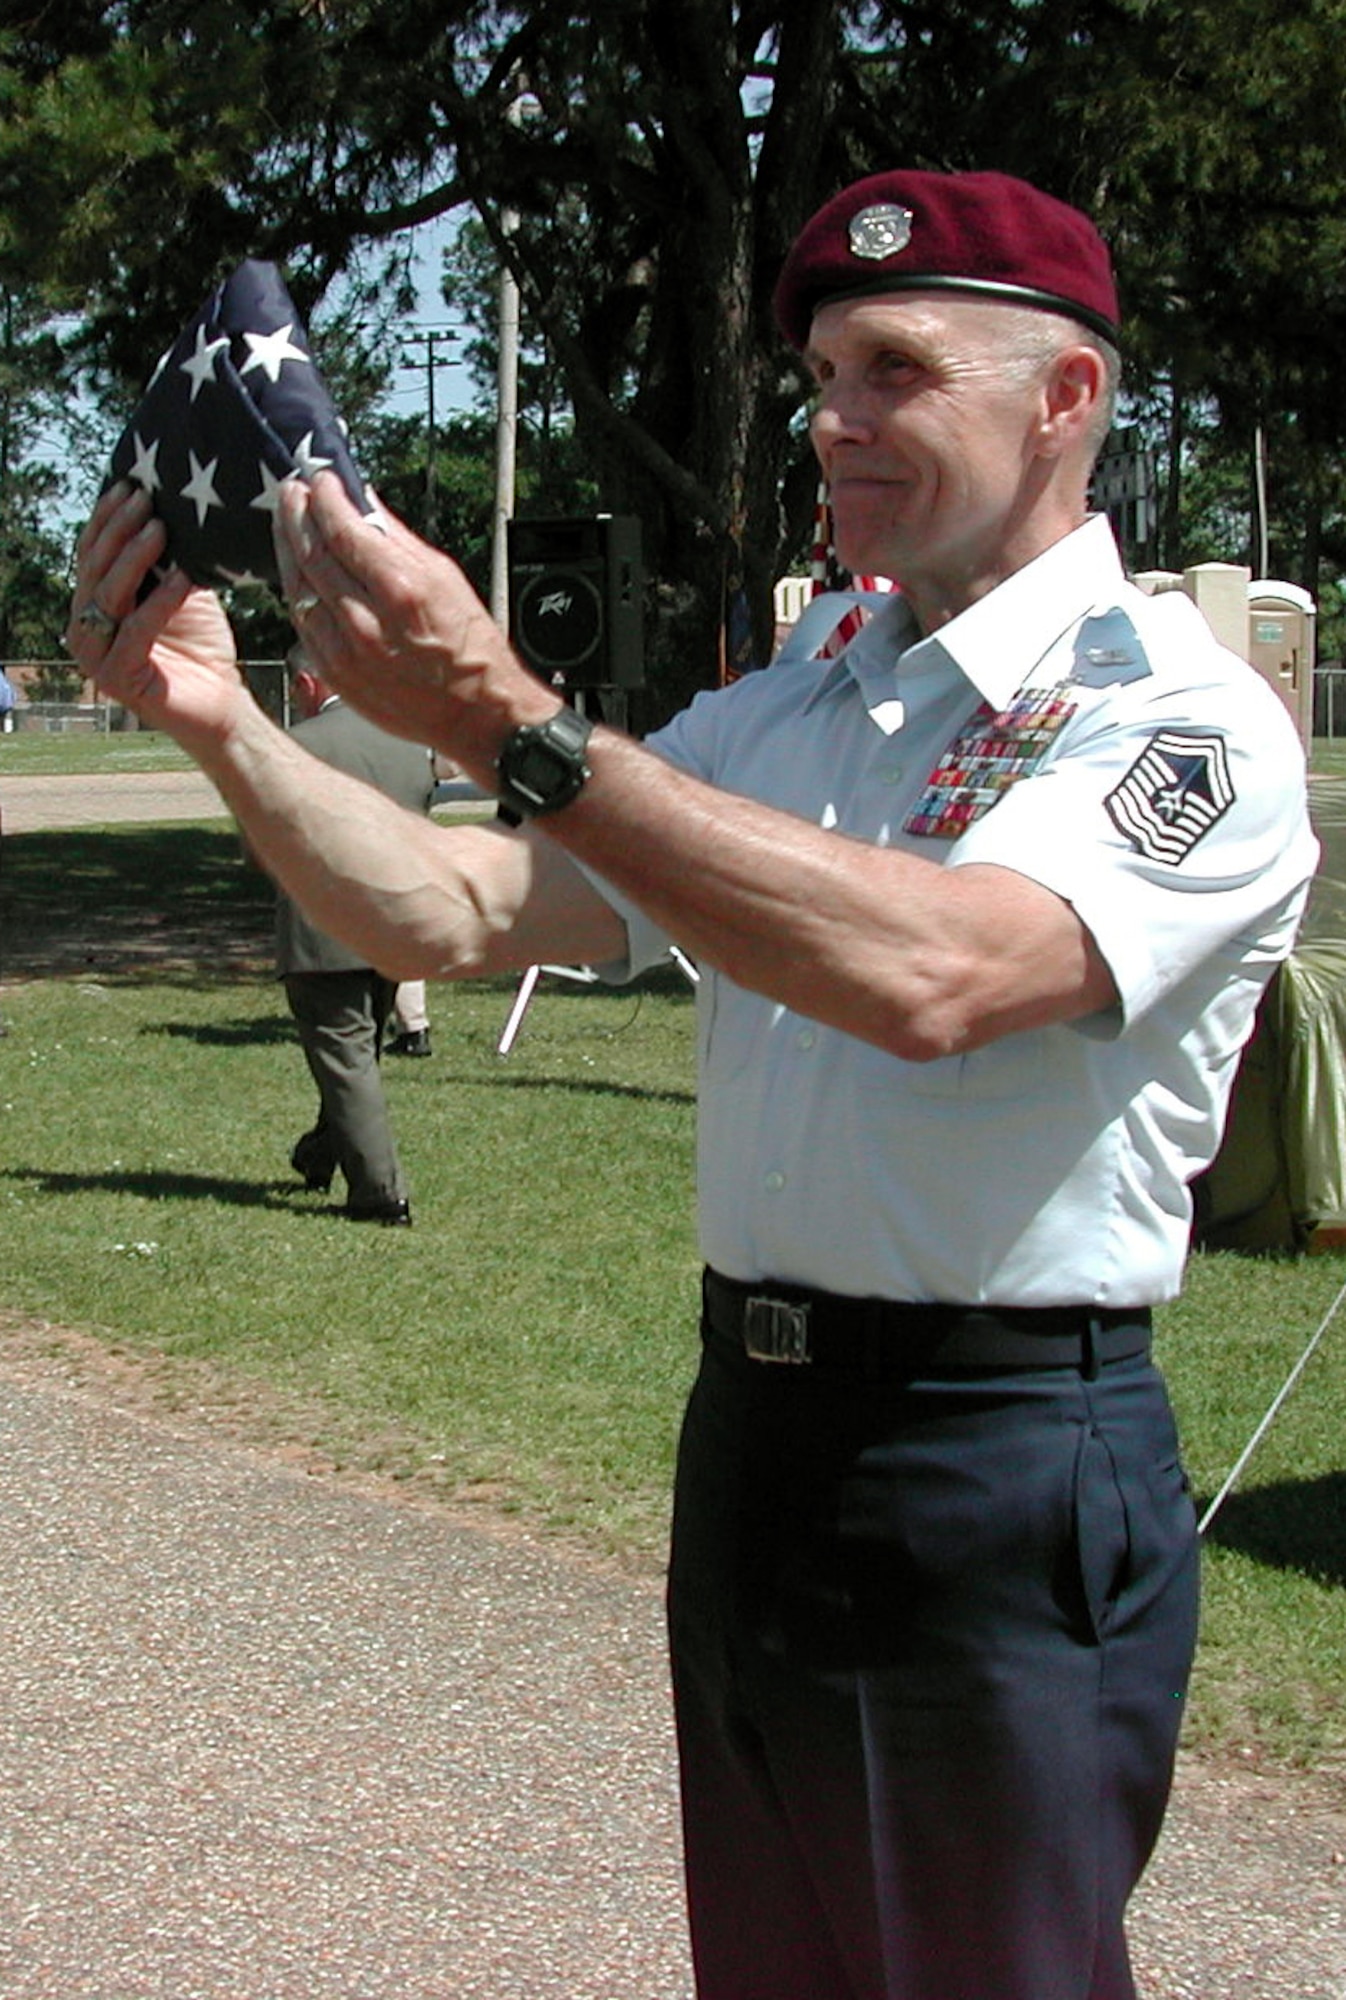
x,y
1003,1072
737,1029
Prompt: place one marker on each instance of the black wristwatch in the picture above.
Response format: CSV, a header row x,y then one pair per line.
x,y
541,766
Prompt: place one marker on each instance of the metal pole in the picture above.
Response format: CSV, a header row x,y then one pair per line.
x,y
506,434
524,106
1261,558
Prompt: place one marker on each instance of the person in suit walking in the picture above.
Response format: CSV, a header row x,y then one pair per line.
x,y
339,1003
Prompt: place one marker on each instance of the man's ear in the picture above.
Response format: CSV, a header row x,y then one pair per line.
x,y
1075,384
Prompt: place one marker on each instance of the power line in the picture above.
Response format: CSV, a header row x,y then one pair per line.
x,y
431,336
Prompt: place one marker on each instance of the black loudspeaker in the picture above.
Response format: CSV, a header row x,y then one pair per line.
x,y
576,591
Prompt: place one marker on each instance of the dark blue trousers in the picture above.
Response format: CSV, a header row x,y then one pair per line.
x,y
930,1644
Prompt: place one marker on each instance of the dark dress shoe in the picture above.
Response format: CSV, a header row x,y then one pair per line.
x,y
316,1175
415,1042
392,1214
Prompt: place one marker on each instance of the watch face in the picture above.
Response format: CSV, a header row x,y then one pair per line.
x,y
542,765
536,767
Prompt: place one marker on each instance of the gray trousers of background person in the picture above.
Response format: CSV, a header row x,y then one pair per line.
x,y
341,1018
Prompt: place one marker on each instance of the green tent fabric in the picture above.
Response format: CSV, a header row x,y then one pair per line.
x,y
1313,1040
1280,1174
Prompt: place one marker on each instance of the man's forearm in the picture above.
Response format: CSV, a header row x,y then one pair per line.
x,y
415,899
921,960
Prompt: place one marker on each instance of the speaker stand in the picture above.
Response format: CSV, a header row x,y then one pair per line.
x,y
584,977
601,704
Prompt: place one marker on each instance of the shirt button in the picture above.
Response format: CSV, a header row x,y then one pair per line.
x,y
892,774
775,1181
806,1038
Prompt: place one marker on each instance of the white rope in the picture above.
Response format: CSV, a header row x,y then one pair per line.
x,y
1262,1428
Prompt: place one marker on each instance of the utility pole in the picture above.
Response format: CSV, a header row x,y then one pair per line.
x,y
524,105
1261,535
506,431
430,335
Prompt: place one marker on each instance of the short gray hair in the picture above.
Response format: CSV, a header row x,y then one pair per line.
x,y
1030,341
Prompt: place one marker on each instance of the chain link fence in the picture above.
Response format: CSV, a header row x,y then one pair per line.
x,y
92,715
1329,699
64,718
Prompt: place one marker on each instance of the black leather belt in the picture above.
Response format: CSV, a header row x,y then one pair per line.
x,y
882,1338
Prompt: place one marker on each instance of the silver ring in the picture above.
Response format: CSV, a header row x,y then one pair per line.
x,y
304,607
95,619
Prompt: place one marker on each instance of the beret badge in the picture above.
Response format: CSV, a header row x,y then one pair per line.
x,y
880,231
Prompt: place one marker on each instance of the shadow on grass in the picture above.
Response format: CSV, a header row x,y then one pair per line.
x,y
578,1086
1295,1524
261,1030
282,1195
172,902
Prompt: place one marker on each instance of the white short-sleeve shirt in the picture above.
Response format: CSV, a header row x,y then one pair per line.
x,y
1101,743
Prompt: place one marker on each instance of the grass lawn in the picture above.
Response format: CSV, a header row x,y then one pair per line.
x,y
40,753
1329,756
529,1337
527,1345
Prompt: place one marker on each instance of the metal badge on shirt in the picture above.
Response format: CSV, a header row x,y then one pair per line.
x,y
1174,792
991,752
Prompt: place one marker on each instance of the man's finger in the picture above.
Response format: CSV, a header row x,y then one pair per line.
x,y
287,553
106,506
362,545
109,577
310,566
120,513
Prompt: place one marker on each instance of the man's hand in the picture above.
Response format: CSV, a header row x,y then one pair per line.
x,y
170,658
394,626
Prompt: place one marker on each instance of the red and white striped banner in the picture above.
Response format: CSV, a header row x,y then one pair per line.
x,y
827,573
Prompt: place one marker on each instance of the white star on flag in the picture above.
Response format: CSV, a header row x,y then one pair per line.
x,y
200,364
270,351
308,460
200,488
145,471
268,498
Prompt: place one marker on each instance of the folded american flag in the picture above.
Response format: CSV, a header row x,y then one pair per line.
x,y
234,409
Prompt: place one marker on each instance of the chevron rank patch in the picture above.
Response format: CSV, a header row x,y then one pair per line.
x,y
1176,790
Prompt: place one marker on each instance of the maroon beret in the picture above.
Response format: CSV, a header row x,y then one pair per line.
x,y
986,234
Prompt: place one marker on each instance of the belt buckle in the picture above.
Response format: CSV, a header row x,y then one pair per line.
x,y
775,1330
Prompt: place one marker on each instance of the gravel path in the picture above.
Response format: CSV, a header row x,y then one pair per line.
x,y
263,1737
36,805
45,804
269,1734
